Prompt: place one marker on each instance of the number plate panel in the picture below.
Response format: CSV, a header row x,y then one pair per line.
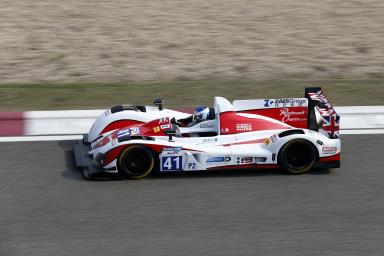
x,y
171,163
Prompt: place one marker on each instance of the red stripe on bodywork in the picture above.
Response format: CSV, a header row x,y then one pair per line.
x,y
231,123
246,142
330,158
113,154
119,124
11,124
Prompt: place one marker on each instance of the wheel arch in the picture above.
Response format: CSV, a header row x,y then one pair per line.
x,y
154,154
302,139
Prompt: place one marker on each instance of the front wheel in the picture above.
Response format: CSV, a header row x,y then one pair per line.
x,y
136,162
297,156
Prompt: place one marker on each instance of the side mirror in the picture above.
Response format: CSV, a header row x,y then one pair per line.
x,y
159,102
170,132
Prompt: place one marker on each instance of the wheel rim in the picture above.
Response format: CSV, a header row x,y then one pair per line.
x,y
298,156
136,162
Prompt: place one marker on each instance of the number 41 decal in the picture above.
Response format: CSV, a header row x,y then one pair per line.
x,y
171,163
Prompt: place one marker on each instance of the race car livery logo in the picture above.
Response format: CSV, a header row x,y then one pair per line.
x,y
329,150
164,120
273,138
292,116
165,126
192,165
218,159
128,131
224,130
135,130
207,125
243,127
156,129
244,160
288,102
268,103
171,150
320,97
209,140
331,124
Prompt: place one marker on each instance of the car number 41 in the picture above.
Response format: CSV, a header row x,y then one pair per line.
x,y
171,163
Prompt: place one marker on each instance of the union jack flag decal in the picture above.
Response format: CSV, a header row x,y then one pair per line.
x,y
332,125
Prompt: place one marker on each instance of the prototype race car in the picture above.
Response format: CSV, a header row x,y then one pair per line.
x,y
293,134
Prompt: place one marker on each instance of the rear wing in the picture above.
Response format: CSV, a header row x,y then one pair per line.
x,y
322,117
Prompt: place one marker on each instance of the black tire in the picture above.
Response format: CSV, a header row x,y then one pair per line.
x,y
297,156
135,162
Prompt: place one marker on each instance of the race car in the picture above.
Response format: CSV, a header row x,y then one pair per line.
x,y
292,134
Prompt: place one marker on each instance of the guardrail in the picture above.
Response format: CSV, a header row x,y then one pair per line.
x,y
354,120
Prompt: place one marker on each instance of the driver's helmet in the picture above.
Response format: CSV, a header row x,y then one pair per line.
x,y
201,114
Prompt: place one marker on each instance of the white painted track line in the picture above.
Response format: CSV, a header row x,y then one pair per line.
x,y
40,138
364,131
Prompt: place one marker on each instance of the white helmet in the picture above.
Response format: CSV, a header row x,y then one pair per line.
x,y
201,114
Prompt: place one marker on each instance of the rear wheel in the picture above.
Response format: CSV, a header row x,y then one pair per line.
x,y
297,156
136,162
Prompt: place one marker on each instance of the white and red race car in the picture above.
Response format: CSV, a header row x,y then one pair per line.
x,y
293,134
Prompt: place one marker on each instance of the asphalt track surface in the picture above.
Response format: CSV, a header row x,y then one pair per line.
x,y
46,208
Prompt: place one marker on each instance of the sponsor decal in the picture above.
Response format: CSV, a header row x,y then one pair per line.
x,y
123,132
268,103
273,138
100,142
331,124
156,129
218,159
287,102
319,96
203,125
135,130
165,126
192,166
292,116
244,160
128,131
224,130
171,149
319,142
209,140
329,150
164,120
267,141
243,127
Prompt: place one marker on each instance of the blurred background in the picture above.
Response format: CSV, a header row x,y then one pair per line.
x,y
92,54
